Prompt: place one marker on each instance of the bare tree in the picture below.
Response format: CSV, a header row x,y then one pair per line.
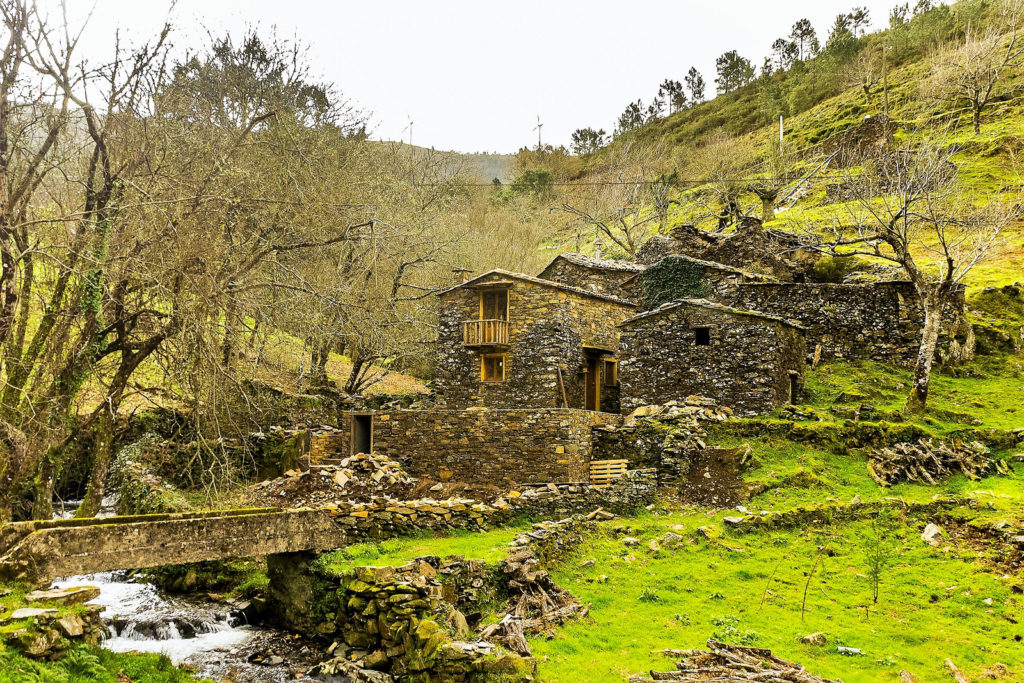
x,y
614,203
779,180
971,73
908,208
724,162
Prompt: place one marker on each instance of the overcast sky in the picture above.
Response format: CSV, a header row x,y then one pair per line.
x,y
474,75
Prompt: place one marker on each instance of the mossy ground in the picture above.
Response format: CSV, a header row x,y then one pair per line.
x,y
490,545
92,665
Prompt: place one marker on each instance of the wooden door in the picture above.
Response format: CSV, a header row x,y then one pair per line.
x,y
592,384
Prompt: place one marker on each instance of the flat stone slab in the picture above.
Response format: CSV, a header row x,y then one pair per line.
x,y
72,595
30,613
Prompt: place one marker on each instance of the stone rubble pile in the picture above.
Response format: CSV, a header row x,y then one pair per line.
x,y
693,407
927,461
834,513
363,477
721,662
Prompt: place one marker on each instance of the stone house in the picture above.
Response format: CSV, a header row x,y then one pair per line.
x,y
684,277
509,340
604,276
751,362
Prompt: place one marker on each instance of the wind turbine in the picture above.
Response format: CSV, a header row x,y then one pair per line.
x,y
409,128
537,128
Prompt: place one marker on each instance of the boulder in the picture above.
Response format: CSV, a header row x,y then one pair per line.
x,y
932,534
817,638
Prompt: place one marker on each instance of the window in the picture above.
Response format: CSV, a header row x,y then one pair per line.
x,y
703,336
492,367
494,304
611,373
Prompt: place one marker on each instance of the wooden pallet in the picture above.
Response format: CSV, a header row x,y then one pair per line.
x,y
602,472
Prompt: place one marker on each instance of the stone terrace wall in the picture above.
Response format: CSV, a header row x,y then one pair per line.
x,y
490,446
878,321
548,328
746,366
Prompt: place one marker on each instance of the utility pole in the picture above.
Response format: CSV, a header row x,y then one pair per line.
x,y
537,128
885,81
780,130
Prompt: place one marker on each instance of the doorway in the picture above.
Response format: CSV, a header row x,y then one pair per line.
x,y
362,434
592,382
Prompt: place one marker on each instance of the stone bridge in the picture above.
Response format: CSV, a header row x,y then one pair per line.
x,y
38,552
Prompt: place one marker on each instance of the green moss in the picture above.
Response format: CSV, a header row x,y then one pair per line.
x,y
481,545
673,278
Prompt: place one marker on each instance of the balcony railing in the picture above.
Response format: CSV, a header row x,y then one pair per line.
x,y
485,333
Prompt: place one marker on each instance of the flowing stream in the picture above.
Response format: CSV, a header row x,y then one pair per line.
x,y
212,638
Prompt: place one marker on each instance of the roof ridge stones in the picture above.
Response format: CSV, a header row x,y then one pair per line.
x,y
704,303
540,281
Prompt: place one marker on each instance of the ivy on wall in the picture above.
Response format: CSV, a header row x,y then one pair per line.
x,y
673,278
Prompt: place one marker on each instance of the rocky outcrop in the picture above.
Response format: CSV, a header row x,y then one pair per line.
x,y
58,624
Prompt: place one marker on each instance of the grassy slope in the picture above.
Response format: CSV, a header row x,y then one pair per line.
x,y
988,162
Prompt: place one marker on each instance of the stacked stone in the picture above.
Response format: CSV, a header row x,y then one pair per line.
x,y
396,619
389,518
878,321
806,515
466,446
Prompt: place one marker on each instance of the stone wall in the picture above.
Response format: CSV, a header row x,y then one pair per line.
x,y
549,326
596,275
747,364
490,446
878,321
404,621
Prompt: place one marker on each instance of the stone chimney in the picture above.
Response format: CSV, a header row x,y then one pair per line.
x,y
461,275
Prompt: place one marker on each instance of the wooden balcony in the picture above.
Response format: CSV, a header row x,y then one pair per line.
x,y
479,333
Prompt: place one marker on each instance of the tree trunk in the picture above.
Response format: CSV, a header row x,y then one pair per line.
x,y
42,499
767,208
318,364
925,354
976,116
13,453
102,452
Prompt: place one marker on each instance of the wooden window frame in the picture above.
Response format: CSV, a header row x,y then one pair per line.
x,y
611,367
484,357
485,292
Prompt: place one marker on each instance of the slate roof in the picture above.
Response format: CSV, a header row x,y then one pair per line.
x,y
704,303
714,265
543,283
596,263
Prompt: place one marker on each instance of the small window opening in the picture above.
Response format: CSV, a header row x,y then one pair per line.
x,y
611,373
703,336
492,368
799,277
